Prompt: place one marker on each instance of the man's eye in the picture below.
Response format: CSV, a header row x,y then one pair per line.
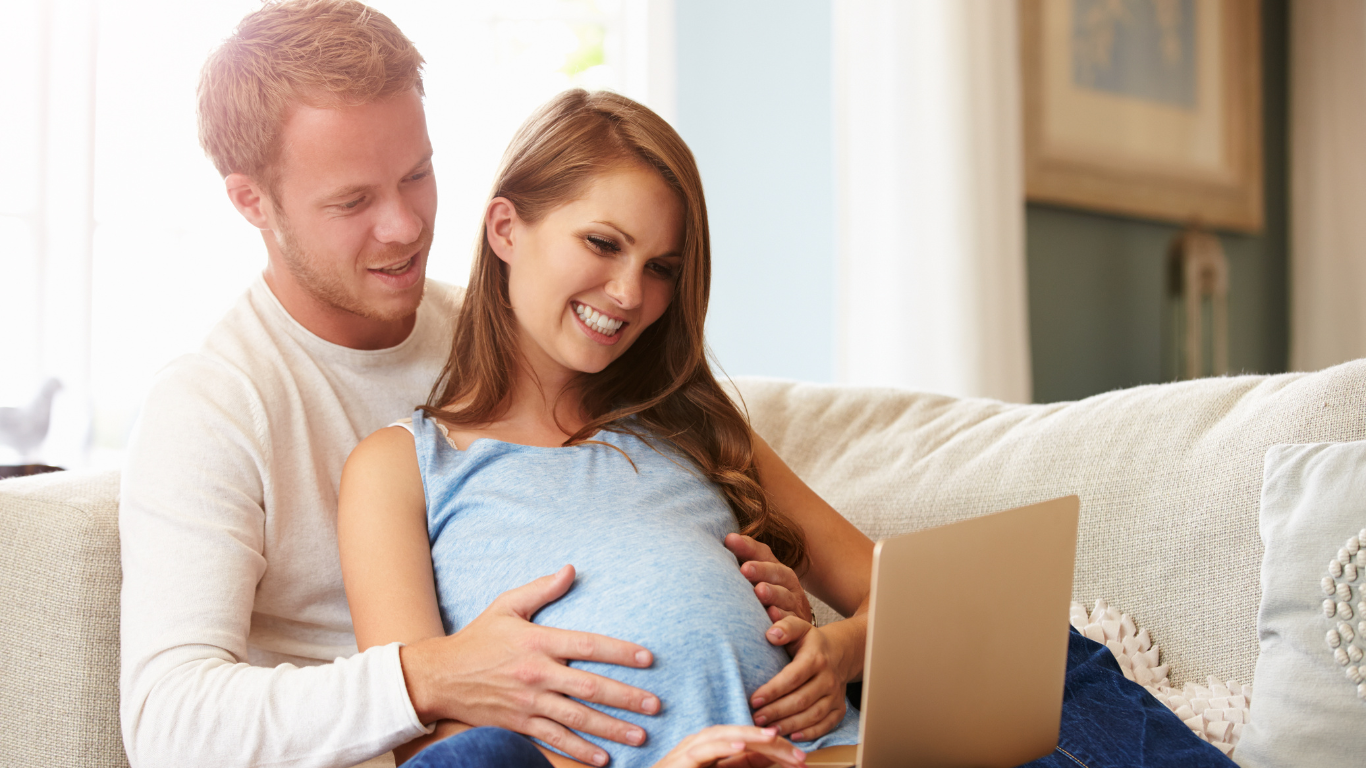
x,y
353,203
603,244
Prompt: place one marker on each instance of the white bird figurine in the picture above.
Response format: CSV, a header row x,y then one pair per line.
x,y
24,428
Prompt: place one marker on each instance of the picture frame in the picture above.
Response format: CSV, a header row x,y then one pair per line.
x,y
1145,108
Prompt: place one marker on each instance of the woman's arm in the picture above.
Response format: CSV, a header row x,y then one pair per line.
x,y
382,534
385,558
806,699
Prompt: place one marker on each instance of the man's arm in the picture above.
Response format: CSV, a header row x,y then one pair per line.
x,y
192,530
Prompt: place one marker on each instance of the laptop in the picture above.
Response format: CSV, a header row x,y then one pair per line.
x,y
967,643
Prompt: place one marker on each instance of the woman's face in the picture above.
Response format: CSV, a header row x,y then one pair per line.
x,y
588,278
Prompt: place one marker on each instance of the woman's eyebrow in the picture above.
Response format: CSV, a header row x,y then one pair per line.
x,y
624,233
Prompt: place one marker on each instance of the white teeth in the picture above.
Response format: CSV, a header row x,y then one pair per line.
x,y
596,320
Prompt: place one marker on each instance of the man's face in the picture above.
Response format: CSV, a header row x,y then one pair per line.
x,y
352,210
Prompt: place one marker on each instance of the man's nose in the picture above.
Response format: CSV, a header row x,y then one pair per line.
x,y
398,222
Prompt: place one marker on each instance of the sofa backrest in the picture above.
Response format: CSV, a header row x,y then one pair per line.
x,y
1169,478
59,621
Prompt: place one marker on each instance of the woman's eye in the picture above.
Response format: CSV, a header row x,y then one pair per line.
x,y
603,244
662,270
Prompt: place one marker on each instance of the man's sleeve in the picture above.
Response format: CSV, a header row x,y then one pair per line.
x,y
192,526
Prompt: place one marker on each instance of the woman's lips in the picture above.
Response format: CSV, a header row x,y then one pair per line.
x,y
593,333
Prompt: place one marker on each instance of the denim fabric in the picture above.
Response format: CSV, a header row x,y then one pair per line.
x,y
1109,721
481,748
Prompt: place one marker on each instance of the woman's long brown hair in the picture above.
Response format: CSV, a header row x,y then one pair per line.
x,y
664,380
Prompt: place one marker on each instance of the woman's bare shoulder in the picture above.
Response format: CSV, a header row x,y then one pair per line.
x,y
387,458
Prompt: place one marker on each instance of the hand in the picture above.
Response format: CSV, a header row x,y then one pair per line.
x,y
733,745
806,699
776,585
503,670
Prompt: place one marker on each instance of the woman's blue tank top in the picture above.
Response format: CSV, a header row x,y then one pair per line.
x,y
647,544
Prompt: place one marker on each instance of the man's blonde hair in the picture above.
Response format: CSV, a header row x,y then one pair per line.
x,y
323,53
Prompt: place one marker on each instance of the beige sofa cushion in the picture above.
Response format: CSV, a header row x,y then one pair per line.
x,y
59,598
1169,477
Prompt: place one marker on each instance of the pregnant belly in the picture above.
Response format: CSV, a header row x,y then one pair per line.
x,y
704,627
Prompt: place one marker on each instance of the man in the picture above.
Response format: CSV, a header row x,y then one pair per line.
x,y
237,647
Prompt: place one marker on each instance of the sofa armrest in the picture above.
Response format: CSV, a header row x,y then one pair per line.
x,y
59,620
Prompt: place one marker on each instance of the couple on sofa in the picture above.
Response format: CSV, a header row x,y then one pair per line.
x,y
570,417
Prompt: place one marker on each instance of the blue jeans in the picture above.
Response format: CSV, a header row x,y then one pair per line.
x,y
481,748
1109,721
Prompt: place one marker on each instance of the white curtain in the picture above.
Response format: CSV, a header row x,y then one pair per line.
x,y
931,197
1327,182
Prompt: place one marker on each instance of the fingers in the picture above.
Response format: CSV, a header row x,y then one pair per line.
x,y
587,686
786,630
825,726
568,644
772,572
737,745
744,760
747,548
808,664
805,706
774,583
585,719
802,709
565,740
529,598
775,596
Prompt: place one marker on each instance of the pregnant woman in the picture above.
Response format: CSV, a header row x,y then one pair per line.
x,y
578,422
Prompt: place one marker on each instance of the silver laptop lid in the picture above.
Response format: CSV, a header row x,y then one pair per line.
x,y
967,641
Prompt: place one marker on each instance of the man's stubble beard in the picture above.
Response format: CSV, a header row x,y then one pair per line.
x,y
329,288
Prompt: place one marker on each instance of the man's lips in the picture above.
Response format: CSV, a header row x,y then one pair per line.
x,y
397,267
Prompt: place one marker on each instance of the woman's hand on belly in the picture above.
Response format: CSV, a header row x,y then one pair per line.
x,y
806,699
733,745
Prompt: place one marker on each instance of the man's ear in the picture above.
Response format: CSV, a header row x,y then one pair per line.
x,y
248,198
499,223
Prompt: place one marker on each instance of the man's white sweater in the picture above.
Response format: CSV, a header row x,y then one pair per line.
x,y
237,645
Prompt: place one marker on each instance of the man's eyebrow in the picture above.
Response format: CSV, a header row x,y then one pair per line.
x,y
356,189
623,232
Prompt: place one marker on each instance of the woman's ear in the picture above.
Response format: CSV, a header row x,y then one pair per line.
x,y
499,223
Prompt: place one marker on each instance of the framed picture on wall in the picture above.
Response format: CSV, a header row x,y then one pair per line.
x,y
1146,108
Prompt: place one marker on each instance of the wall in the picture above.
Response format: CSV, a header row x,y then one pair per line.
x,y
754,104
754,84
1096,282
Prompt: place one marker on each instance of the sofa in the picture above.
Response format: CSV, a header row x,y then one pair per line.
x,y
1169,478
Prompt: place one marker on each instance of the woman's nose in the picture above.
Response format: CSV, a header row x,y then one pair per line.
x,y
624,286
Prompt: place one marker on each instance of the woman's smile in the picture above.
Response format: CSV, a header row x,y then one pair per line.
x,y
599,326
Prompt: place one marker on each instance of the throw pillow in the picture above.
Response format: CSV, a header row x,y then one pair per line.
x,y
1310,707
1215,712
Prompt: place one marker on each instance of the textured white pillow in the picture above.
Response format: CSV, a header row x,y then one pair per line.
x,y
1309,710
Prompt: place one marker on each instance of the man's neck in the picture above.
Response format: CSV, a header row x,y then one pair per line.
x,y
335,325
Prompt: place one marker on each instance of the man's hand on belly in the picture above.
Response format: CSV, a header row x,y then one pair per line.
x,y
503,670
776,585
